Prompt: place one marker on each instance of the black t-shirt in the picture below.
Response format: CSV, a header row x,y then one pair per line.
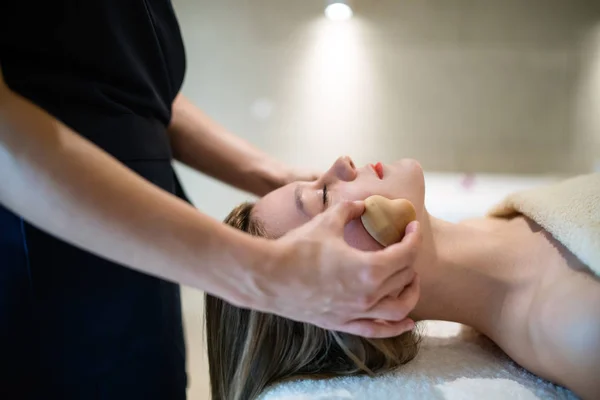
x,y
109,69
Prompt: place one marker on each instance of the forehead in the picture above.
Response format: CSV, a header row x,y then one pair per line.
x,y
278,211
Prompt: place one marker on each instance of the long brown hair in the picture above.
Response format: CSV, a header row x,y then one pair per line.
x,y
249,350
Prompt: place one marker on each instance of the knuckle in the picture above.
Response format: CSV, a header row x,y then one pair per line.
x,y
409,276
393,310
365,302
344,206
344,203
400,312
348,203
414,299
367,330
371,276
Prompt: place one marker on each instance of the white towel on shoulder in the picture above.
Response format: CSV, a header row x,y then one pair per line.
x,y
568,210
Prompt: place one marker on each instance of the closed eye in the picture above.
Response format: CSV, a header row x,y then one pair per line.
x,y
325,197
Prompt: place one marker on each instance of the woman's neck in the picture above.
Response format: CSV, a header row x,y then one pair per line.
x,y
464,274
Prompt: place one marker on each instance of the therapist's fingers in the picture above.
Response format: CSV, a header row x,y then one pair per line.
x,y
409,297
388,305
307,175
390,316
399,307
402,284
338,216
396,257
378,329
403,253
397,283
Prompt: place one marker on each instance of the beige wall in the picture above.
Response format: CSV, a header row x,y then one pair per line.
x,y
507,86
459,84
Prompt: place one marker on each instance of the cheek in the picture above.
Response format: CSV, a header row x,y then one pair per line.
x,y
357,236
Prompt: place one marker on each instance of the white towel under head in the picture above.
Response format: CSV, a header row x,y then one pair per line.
x,y
455,362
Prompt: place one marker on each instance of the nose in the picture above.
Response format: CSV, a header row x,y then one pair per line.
x,y
343,169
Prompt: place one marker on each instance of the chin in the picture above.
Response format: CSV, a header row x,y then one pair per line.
x,y
409,163
411,181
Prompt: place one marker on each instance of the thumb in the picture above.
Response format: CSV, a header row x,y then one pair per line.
x,y
344,212
312,175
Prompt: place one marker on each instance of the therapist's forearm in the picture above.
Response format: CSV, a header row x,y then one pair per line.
x,y
68,187
204,145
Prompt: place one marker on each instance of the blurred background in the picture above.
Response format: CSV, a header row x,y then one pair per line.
x,y
490,96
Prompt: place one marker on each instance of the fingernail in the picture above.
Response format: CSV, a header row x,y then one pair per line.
x,y
410,325
382,322
412,227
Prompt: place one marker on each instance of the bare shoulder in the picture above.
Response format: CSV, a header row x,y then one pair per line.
x,y
486,223
552,313
564,323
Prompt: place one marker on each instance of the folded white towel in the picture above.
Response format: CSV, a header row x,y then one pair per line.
x,y
454,362
569,210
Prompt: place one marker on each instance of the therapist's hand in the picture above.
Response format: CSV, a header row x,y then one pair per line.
x,y
316,277
300,175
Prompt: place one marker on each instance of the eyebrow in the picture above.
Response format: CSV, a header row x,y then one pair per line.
x,y
298,198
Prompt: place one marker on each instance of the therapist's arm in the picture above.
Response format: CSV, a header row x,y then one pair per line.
x,y
67,186
203,144
71,189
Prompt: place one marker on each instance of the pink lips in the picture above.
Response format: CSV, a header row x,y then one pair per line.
x,y
378,168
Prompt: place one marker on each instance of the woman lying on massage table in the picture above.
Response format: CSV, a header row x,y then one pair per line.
x,y
507,278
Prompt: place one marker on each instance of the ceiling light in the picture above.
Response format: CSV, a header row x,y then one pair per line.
x,y
338,10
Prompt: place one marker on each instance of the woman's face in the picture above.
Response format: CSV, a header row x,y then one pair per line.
x,y
295,204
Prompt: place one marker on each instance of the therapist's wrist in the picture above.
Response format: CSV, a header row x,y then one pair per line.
x,y
268,175
282,174
240,278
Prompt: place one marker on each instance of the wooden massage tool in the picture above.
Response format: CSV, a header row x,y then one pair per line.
x,y
386,219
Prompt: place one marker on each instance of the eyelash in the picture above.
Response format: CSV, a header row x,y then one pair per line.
x,y
325,197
